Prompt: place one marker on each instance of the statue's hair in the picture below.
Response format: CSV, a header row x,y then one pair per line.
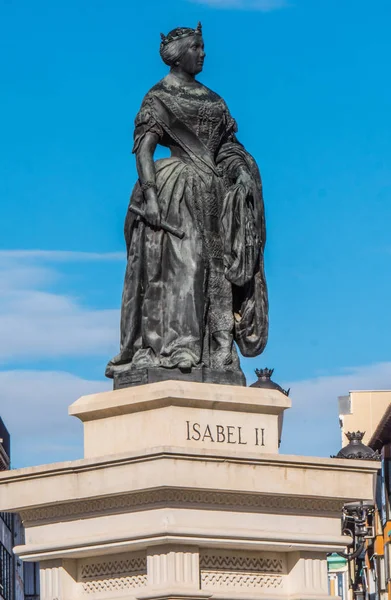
x,y
174,51
175,44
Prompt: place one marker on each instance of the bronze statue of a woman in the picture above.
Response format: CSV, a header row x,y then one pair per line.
x,y
195,234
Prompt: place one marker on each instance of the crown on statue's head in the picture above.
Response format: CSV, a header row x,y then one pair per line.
x,y
179,33
264,373
355,436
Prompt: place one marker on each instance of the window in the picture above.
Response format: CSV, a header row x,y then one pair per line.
x,y
333,584
7,518
386,563
380,574
6,564
31,580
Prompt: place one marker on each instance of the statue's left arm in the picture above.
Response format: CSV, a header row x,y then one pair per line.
x,y
243,224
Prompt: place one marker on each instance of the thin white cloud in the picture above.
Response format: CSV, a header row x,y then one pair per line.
x,y
261,5
60,255
34,407
311,426
36,322
36,325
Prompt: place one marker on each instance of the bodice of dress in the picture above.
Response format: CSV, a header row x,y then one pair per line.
x,y
204,113
201,109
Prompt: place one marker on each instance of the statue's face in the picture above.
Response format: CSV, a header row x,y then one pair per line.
x,y
192,61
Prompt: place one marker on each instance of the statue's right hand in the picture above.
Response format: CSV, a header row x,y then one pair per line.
x,y
152,210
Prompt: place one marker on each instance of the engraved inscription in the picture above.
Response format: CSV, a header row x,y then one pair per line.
x,y
225,434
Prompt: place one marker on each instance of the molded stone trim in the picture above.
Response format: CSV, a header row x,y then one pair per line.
x,y
179,497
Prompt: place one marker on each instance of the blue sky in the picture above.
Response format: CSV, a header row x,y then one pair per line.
x,y
308,82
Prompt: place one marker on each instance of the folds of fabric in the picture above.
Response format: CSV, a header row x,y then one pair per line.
x,y
182,297
243,223
165,275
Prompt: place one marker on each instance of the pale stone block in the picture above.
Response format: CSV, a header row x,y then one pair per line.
x,y
58,580
307,576
275,475
182,414
175,566
138,528
112,576
234,572
50,580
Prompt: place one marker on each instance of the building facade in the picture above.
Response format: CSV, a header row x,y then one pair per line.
x,y
18,580
362,410
369,412
380,553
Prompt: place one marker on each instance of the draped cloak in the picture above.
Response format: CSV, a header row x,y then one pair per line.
x,y
192,297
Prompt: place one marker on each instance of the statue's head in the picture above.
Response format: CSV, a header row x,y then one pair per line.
x,y
184,47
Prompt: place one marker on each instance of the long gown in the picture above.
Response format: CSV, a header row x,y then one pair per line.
x,y
191,298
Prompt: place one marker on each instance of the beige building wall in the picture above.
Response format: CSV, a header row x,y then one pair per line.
x,y
362,411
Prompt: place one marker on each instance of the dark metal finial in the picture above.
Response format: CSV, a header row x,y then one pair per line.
x,y
355,436
264,381
264,373
356,449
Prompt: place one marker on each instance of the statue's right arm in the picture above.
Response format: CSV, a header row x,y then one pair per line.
x,y
147,176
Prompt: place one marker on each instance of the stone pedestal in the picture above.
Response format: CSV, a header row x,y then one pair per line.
x,y
182,414
182,494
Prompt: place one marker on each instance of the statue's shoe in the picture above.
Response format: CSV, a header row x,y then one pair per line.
x,y
185,364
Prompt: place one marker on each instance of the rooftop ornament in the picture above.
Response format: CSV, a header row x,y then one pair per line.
x,y
265,381
356,449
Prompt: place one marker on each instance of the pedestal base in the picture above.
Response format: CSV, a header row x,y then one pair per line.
x,y
129,376
182,414
182,496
